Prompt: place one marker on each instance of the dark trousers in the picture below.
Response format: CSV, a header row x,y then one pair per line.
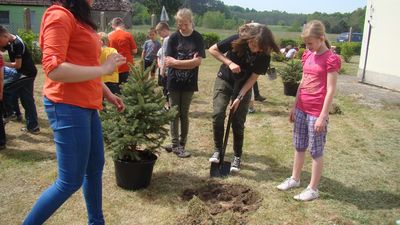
x,y
114,87
2,130
256,90
123,77
222,95
22,89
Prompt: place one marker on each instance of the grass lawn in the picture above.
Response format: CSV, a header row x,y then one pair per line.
x,y
358,186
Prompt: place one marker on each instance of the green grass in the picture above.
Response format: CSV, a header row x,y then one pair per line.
x,y
359,185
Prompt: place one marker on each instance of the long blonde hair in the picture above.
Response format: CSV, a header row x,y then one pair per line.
x,y
260,32
315,29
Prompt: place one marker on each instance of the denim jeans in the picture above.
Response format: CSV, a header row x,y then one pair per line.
x,y
10,75
22,89
182,100
222,95
80,157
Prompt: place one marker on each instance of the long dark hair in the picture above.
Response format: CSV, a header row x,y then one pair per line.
x,y
261,33
80,9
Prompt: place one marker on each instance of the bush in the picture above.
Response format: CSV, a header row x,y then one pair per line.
x,y
213,19
277,57
141,127
210,38
292,72
355,46
285,42
30,40
347,51
140,38
300,53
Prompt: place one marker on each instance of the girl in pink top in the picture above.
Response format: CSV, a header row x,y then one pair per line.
x,y
311,109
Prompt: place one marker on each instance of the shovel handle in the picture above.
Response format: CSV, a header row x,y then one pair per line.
x,y
228,126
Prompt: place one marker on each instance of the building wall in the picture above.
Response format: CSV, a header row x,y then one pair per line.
x,y
382,65
17,17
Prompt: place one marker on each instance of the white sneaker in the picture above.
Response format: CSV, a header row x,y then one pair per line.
x,y
235,167
307,195
214,158
288,184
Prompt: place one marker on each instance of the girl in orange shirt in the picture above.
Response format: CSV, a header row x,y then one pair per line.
x,y
73,94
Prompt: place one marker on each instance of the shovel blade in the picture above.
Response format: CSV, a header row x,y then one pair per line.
x,y
218,170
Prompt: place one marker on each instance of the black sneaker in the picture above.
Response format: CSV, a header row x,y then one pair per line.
x,y
181,152
235,167
168,148
33,131
259,98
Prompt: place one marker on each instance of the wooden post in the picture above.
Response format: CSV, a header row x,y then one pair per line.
x,y
350,33
27,19
102,21
153,20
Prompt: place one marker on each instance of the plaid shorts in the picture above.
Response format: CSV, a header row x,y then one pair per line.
x,y
304,134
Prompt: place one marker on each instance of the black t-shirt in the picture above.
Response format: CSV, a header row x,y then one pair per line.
x,y
181,48
18,50
249,63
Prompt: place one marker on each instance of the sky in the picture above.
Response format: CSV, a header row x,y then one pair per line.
x,y
300,6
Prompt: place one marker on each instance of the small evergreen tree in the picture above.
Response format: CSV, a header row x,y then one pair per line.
x,y
141,128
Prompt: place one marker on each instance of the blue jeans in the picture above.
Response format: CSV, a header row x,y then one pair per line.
x,y
10,75
80,156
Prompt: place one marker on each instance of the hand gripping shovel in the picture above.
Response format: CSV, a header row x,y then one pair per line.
x,y
222,168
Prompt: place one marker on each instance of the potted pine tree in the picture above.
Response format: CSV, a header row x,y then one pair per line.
x,y
134,135
291,75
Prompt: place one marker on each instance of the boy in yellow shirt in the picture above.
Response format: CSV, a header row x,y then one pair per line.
x,y
111,80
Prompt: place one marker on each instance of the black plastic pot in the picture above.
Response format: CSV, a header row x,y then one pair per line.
x,y
134,175
290,89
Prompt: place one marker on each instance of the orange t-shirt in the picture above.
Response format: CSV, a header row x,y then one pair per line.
x,y
124,43
65,39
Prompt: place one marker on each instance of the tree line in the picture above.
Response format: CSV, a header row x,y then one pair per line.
x,y
215,14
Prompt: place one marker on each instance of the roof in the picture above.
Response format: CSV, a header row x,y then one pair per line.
x,y
105,5
26,2
112,5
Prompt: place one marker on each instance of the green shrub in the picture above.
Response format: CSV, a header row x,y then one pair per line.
x,y
300,53
210,38
141,127
277,57
285,42
292,72
213,19
347,51
140,38
30,40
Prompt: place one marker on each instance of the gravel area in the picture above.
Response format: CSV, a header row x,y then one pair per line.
x,y
374,96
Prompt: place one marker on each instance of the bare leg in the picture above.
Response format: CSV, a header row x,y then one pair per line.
x,y
316,172
298,164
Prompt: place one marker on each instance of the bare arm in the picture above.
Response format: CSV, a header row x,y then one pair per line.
x,y
183,64
213,50
320,124
70,73
246,87
17,64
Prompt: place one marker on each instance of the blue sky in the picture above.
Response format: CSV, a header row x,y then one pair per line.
x,y
300,6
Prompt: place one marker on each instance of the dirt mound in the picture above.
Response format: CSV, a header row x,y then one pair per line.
x,y
225,197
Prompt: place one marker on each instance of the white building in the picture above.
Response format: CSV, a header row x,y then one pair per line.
x,y
380,52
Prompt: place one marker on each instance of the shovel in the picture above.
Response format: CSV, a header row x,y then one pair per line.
x,y
222,168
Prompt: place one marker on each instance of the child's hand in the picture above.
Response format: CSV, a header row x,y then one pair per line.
x,y
235,68
116,101
320,125
292,115
113,61
234,105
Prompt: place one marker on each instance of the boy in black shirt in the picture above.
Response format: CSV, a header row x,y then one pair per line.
x,y
21,60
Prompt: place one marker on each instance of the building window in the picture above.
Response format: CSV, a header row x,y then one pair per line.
x,y
4,17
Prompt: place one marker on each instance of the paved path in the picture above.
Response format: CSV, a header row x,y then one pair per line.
x,y
367,94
